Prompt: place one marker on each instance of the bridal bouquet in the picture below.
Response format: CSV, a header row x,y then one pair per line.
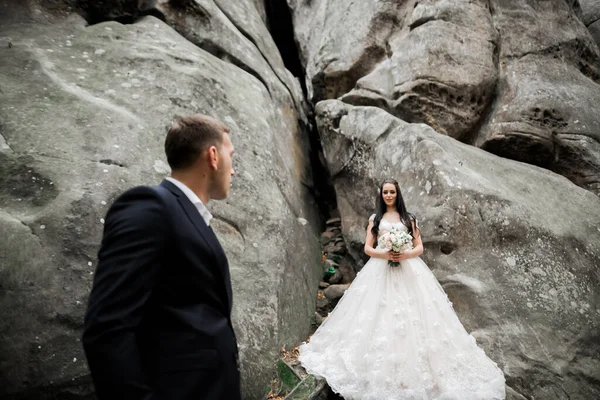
x,y
397,241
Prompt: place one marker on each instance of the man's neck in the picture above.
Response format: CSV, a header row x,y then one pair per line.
x,y
197,184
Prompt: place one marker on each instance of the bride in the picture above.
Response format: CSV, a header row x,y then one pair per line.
x,y
394,334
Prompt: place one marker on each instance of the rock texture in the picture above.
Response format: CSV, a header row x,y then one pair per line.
x,y
429,61
82,117
83,111
590,10
518,78
516,247
545,111
235,32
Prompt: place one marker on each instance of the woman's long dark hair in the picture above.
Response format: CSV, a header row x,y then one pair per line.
x,y
406,217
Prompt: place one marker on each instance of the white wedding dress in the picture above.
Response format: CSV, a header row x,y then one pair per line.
x,y
395,336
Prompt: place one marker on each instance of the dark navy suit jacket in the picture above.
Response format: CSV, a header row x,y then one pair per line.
x,y
158,323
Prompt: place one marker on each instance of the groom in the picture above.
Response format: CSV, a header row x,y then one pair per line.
x,y
158,323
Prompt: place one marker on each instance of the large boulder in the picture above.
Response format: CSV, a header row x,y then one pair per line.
x,y
516,247
426,61
590,10
82,118
546,105
235,32
440,69
518,78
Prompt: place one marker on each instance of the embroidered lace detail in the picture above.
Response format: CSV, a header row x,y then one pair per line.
x,y
395,336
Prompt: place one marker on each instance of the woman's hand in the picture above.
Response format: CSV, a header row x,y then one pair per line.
x,y
395,256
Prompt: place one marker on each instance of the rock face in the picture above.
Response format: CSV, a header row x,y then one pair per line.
x,y
591,17
83,111
518,78
82,118
236,32
515,247
549,75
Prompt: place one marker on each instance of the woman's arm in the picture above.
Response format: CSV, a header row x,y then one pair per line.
x,y
377,253
417,249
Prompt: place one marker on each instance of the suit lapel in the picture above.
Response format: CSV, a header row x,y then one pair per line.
x,y
207,235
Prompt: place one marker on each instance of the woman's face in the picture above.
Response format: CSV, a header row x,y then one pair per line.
x,y
389,194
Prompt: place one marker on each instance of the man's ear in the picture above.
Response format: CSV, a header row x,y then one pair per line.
x,y
213,157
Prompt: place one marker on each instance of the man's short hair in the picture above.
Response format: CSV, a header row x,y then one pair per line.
x,y
189,136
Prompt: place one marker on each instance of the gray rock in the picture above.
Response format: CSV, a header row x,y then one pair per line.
x,y
515,246
323,305
326,238
590,10
441,71
545,111
517,78
334,59
347,268
511,394
591,17
335,278
235,32
83,117
329,264
318,319
335,248
535,126
333,221
489,226
594,29
425,62
334,229
335,292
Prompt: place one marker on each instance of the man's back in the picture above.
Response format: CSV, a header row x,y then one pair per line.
x,y
168,316
158,322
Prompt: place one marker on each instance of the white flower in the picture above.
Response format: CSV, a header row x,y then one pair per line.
x,y
395,240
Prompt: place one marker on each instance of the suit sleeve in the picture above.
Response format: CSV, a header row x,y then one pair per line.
x,y
128,264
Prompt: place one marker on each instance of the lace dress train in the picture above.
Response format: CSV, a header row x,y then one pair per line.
x,y
395,336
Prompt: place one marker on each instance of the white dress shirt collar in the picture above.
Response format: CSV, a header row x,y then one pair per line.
x,y
204,213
